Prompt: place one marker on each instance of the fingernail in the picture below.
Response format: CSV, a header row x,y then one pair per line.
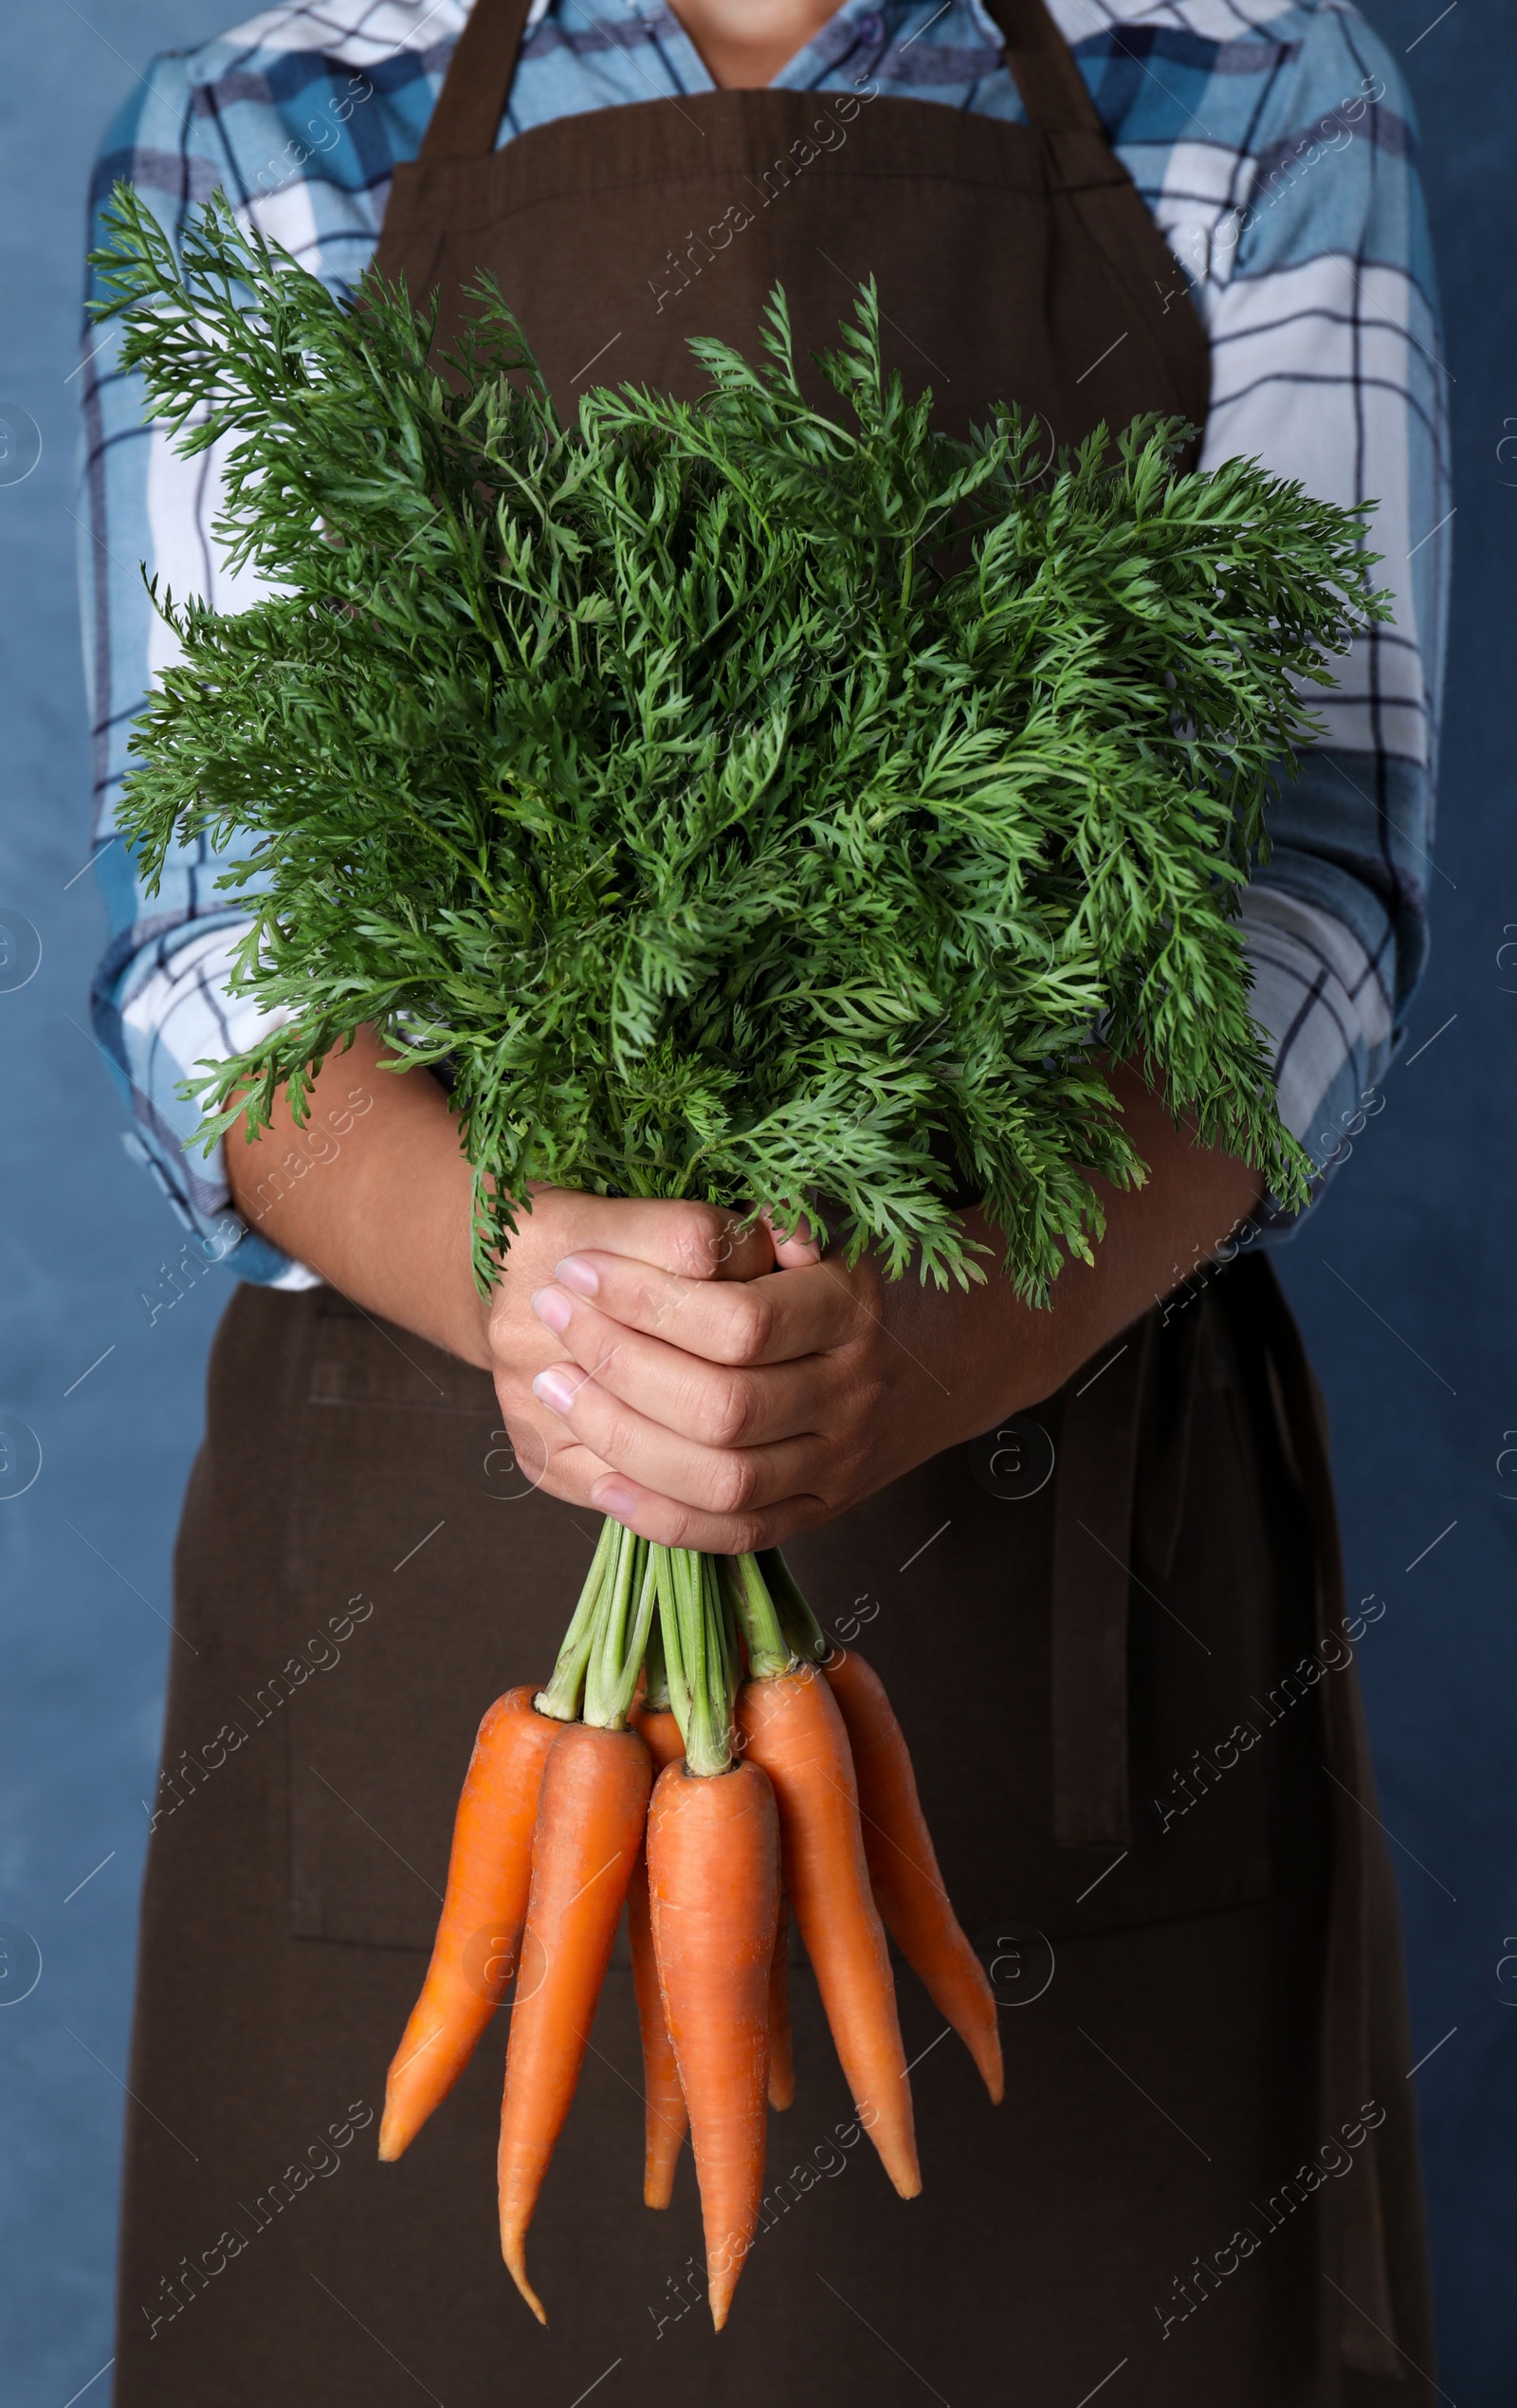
x,y
552,1307
609,1496
554,1389
578,1274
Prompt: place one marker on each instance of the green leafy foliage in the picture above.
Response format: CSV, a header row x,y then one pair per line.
x,y
742,801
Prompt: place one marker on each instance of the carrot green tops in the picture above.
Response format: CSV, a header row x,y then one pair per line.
x,y
1273,143
745,801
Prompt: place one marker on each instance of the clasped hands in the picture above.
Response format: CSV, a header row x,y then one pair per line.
x,y
719,1387
713,1387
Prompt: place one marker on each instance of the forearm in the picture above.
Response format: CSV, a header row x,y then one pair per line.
x,y
375,1195
381,1207
1156,1235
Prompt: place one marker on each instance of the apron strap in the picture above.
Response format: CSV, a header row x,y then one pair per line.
x,y
1042,65
477,84
1092,1568
1164,1455
1354,2226
475,89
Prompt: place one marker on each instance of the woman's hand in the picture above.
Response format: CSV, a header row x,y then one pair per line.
x,y
727,1416
693,1248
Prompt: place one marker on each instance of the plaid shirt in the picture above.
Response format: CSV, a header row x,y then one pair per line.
x,y
1273,141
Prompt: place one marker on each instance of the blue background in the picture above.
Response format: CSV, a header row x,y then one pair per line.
x,y
1405,1282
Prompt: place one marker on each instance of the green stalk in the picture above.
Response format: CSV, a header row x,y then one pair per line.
x,y
724,1660
769,1649
731,1654
610,1626
690,1648
627,1610
706,1742
676,1680
561,1698
804,1633
656,1691
699,1656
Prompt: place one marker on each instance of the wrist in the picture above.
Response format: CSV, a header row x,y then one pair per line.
x,y
1156,1235
372,1190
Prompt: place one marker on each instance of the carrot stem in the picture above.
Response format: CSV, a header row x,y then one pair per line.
x,y
666,1574
596,1672
803,1632
700,1653
748,1592
655,1671
617,1652
561,1698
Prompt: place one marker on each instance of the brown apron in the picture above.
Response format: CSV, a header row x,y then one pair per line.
x,y
1203,2183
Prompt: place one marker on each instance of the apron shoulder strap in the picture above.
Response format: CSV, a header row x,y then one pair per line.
x,y
472,101
1042,67
475,89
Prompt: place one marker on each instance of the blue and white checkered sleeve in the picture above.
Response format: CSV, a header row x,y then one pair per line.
x,y
303,135
1322,314
160,1003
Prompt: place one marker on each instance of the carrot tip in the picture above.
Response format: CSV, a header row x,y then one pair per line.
x,y
897,2154
517,2268
781,2094
393,2138
986,2051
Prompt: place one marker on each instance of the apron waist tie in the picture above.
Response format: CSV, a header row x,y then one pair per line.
x,y
1092,1565
1094,1543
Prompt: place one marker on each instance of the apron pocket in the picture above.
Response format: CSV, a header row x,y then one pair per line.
x,y
424,1577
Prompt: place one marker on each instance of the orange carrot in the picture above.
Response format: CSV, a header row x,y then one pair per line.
x,y
713,1875
664,2116
903,1874
591,1815
792,1729
781,2056
474,1954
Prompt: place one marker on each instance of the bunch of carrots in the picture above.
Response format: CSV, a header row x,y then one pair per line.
x,y
703,1756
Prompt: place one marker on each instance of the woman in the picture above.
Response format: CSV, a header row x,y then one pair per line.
x,y
1151,1797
